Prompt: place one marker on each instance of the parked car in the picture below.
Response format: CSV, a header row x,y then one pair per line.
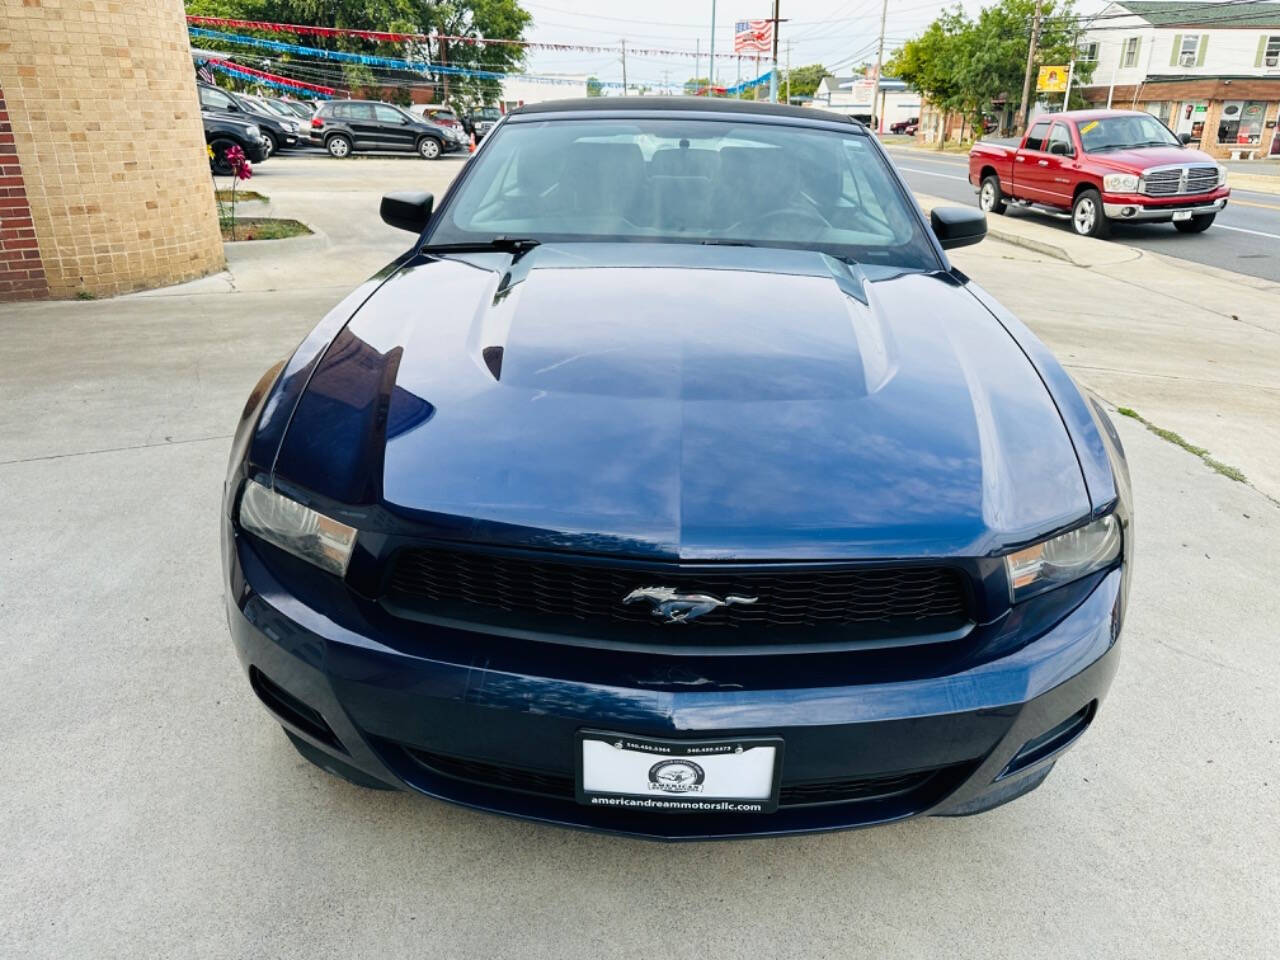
x,y
223,131
902,125
1104,167
302,109
344,127
480,120
280,133
443,116
765,520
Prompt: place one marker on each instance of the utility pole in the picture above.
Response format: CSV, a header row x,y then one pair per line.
x,y
697,59
773,74
624,66
711,73
1024,109
876,105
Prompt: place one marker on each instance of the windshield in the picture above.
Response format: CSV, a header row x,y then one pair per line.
x,y
1125,133
688,181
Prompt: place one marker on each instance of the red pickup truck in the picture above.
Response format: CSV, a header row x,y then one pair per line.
x,y
1104,167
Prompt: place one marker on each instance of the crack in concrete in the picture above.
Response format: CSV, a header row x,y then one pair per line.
x,y
135,446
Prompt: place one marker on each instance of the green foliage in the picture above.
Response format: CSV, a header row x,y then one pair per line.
x,y
964,65
694,84
496,19
804,80
594,87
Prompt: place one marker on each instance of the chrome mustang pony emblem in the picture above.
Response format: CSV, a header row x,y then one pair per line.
x,y
674,607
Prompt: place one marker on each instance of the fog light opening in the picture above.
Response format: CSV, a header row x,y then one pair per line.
x,y
1051,741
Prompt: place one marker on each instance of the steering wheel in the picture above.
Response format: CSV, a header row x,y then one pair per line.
x,y
806,222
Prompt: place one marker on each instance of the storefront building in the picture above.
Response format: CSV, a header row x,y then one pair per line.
x,y
1208,70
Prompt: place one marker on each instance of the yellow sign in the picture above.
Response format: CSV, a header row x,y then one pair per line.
x,y
1052,80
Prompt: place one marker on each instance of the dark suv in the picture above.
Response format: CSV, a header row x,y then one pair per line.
x,y
281,134
222,131
346,126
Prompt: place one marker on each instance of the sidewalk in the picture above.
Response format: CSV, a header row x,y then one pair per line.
x,y
1193,349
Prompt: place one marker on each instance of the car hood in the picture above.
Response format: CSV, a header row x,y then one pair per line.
x,y
684,401
1135,161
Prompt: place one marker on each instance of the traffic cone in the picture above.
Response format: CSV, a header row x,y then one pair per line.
x,y
472,148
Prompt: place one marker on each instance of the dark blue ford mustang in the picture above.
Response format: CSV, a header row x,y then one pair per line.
x,y
675,484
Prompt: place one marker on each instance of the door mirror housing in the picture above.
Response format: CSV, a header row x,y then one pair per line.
x,y
958,226
1185,138
407,211
1060,149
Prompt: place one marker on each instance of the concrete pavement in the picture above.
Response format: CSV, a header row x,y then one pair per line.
x,y
151,807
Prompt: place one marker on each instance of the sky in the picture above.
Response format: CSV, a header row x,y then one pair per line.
x,y
840,34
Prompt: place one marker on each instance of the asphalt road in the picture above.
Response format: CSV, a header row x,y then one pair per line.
x,y
1245,237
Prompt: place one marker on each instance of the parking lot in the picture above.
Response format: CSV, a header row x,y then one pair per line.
x,y
154,809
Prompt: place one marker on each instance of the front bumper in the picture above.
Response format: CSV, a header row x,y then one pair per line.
x,y
502,739
1141,207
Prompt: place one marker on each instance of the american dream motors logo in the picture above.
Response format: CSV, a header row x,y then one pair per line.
x,y
676,776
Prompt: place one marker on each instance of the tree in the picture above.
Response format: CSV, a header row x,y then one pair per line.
x,y
964,65
804,80
473,19
594,87
694,84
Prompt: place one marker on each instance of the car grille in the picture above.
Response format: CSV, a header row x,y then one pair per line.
x,y
804,596
795,794
1168,182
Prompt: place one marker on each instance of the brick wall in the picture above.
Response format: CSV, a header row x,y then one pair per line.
x,y
21,272
106,130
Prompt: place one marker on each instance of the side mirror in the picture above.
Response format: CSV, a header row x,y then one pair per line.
x,y
1185,138
958,226
407,211
1060,149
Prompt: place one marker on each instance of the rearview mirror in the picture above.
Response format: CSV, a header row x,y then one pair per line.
x,y
1060,149
1185,138
958,226
407,211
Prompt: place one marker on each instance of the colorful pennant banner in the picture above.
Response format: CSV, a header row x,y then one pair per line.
x,y
385,36
270,79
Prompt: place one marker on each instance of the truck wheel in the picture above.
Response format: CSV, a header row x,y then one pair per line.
x,y
1088,217
990,199
1195,224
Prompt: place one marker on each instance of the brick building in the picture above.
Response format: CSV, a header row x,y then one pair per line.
x,y
104,181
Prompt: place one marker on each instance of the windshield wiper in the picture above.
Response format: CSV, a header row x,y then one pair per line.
x,y
727,243
504,244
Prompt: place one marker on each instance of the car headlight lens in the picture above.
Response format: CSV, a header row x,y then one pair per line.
x,y
1120,182
255,131
1063,558
1222,176
297,529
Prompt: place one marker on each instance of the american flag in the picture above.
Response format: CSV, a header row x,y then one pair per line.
x,y
205,74
753,36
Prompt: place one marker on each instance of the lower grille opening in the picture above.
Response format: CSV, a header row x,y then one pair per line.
x,y
796,794
1052,740
292,710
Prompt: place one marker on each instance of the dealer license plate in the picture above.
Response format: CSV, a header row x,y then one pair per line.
x,y
737,775
1182,215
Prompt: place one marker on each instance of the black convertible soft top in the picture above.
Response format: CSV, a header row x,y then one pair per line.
x,y
700,104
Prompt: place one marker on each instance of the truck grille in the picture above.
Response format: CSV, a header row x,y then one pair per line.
x,y
1179,181
807,595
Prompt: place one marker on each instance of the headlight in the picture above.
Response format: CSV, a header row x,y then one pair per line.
x,y
1222,176
300,530
1120,183
254,131
1064,558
